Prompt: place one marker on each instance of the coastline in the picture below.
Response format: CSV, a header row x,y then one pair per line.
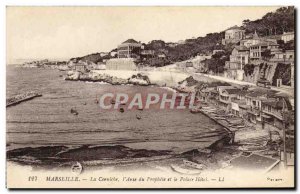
x,y
204,153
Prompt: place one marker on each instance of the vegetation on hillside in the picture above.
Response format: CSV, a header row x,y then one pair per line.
x,y
273,23
283,71
95,58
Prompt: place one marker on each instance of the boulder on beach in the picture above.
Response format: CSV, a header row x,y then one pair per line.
x,y
136,81
139,79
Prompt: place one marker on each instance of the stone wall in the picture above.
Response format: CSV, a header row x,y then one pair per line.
x,y
121,64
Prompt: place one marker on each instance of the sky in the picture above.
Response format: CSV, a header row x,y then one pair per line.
x,y
66,32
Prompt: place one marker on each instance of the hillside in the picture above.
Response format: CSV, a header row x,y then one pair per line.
x,y
273,23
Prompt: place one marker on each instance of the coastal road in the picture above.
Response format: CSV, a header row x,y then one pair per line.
x,y
199,76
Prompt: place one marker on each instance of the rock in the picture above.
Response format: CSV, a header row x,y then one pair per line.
x,y
73,75
219,144
205,150
137,81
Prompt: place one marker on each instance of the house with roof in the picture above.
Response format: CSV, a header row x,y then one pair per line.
x,y
207,94
255,39
239,106
234,68
129,49
257,50
250,41
80,66
226,97
275,111
233,35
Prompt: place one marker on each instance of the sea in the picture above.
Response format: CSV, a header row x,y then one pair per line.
x,y
47,120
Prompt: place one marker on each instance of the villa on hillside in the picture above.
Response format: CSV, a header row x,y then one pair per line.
x,y
129,49
257,50
233,35
234,68
255,39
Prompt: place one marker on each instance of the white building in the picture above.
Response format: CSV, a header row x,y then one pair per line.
x,y
287,36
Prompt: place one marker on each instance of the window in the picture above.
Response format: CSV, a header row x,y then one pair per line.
x,y
269,108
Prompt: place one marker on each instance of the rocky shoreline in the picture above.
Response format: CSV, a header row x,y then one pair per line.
x,y
136,79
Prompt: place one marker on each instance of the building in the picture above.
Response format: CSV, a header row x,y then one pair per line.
x,y
129,49
234,68
255,39
254,99
257,50
80,66
206,94
227,96
287,36
148,53
217,51
286,57
171,44
274,110
251,41
239,106
103,54
189,64
233,35
114,54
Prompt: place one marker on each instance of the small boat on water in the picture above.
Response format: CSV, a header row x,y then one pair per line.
x,y
21,98
195,110
184,170
77,168
193,164
74,111
138,117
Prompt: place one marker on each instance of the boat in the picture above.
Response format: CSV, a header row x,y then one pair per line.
x,y
193,164
77,168
184,170
138,117
21,98
195,110
74,111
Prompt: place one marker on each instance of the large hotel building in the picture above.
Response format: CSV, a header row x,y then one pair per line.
x,y
125,50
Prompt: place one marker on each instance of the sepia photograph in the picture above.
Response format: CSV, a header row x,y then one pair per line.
x,y
150,97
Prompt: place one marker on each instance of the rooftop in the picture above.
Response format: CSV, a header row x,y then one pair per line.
x,y
288,33
234,28
261,92
130,41
232,90
241,48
